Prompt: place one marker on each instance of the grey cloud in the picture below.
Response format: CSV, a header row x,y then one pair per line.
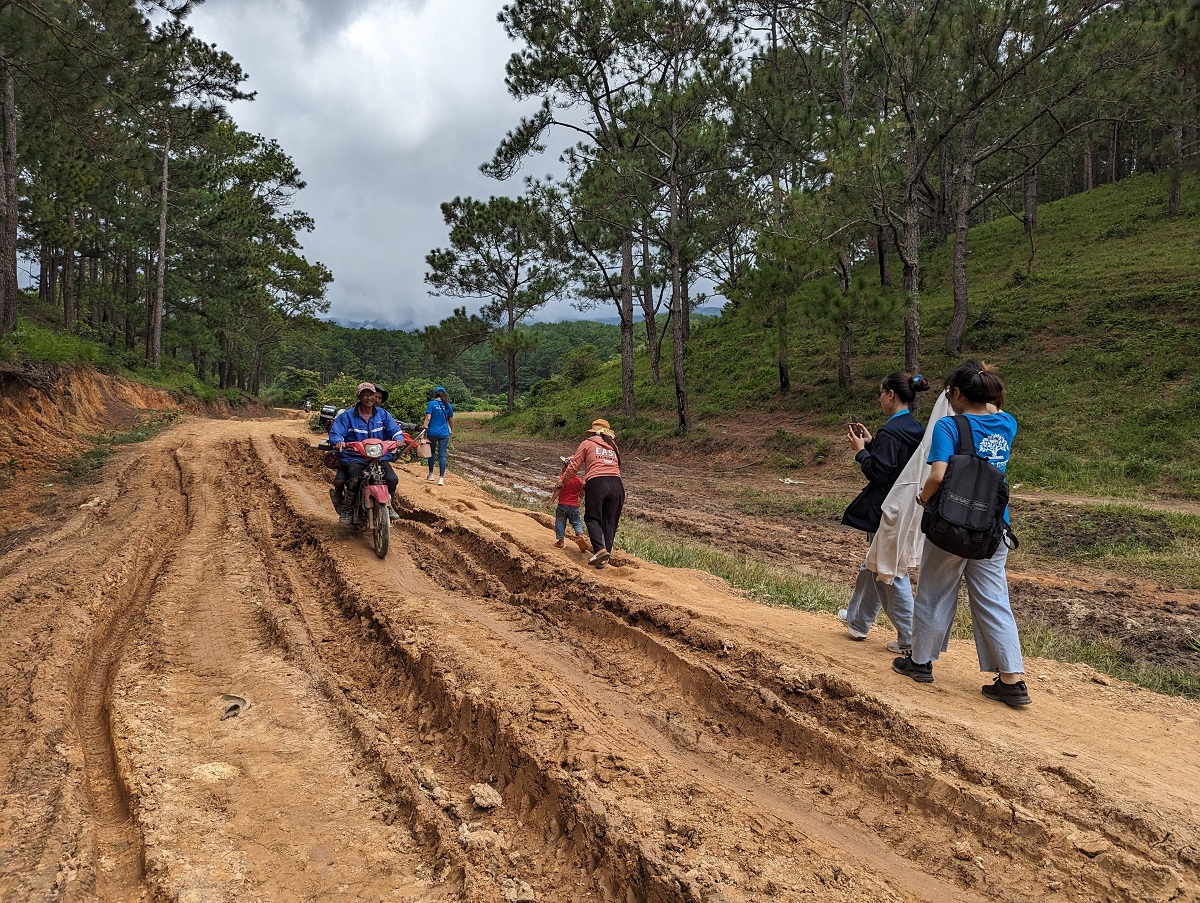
x,y
388,108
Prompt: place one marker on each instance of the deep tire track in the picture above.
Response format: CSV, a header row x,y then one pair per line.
x,y
119,852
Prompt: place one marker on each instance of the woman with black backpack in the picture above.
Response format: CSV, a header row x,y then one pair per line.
x,y
882,457
975,391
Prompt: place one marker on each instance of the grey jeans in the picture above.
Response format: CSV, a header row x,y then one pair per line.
x,y
870,595
936,603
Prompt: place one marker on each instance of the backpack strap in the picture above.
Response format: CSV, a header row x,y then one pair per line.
x,y
966,444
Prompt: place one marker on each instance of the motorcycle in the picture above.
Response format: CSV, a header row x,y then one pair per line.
x,y
326,415
371,502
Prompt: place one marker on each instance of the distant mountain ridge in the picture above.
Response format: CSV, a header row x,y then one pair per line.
x,y
706,311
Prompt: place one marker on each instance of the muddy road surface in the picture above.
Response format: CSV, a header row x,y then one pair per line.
x,y
213,692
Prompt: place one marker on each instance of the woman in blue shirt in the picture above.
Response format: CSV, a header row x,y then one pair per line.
x,y
976,391
439,414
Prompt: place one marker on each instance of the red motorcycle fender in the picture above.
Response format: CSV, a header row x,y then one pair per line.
x,y
380,493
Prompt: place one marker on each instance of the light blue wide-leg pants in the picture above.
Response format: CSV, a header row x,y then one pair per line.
x,y
996,641
871,594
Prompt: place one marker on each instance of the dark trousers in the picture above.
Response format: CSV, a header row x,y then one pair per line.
x,y
350,473
604,497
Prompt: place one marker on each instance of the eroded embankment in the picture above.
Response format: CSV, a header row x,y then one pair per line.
x,y
638,698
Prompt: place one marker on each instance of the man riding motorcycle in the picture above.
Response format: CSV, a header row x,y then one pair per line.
x,y
366,420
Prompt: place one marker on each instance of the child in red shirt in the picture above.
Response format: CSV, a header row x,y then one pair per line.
x,y
566,495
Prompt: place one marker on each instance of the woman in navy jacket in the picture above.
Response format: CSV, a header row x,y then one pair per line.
x,y
881,458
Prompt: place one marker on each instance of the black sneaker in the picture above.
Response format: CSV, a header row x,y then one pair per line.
x,y
1009,694
922,674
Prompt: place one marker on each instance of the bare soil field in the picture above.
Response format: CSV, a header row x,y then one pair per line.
x,y
212,691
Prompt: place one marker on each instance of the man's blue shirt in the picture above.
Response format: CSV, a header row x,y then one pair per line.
x,y
349,426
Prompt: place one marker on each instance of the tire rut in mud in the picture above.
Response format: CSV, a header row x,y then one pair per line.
x,y
119,854
567,776
747,711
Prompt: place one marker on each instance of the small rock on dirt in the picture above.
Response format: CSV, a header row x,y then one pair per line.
x,y
486,796
962,851
1089,844
518,892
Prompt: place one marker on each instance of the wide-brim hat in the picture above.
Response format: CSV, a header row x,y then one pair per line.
x,y
601,427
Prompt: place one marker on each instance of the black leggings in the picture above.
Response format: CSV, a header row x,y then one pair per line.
x,y
604,497
351,472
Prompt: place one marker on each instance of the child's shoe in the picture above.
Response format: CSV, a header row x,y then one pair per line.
x,y
561,544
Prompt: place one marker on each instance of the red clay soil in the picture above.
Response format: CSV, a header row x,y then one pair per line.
x,y
212,691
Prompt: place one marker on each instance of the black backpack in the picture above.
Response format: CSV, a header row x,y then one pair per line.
x,y
965,517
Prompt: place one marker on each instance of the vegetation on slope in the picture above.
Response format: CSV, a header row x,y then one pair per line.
x,y
1099,346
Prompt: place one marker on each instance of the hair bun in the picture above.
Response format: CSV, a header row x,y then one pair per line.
x,y
919,383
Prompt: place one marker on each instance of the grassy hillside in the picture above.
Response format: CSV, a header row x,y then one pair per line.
x,y
1099,347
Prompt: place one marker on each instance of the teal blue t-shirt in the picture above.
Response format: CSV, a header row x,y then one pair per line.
x,y
992,436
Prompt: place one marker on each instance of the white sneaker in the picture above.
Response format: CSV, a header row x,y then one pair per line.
x,y
430,478
899,648
843,616
441,481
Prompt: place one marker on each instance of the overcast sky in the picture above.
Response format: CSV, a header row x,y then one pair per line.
x,y
388,107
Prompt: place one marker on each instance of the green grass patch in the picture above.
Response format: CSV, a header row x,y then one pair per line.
x,y
1161,545
1042,640
762,582
84,466
758,501
33,340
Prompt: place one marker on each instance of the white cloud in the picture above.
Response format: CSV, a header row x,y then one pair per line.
x,y
388,107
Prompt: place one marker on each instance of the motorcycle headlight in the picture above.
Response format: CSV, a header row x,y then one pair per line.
x,y
373,449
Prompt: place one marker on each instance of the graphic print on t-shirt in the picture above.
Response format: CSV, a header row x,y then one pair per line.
x,y
995,447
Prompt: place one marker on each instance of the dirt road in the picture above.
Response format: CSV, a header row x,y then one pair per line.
x,y
481,716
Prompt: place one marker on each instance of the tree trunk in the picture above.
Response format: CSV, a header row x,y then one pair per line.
x,y
1030,211
653,341
962,215
1114,146
150,263
130,299
96,285
1089,169
52,280
685,289
627,407
677,302
845,349
782,328
1175,187
68,286
881,256
945,188
910,244
156,316
9,201
44,273
510,357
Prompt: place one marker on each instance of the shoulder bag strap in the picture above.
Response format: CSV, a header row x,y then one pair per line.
x,y
966,440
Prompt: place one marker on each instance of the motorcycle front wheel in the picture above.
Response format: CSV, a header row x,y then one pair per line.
x,y
381,528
